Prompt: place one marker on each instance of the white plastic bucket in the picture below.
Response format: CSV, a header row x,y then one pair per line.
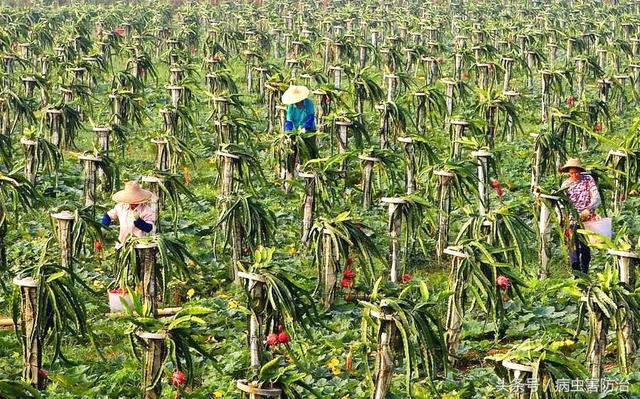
x,y
114,300
600,226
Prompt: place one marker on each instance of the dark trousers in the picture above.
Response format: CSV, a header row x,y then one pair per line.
x,y
580,256
312,146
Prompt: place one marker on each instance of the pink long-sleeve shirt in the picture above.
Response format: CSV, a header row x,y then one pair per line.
x,y
125,218
583,194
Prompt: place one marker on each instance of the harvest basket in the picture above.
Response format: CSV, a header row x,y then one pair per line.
x,y
116,298
601,227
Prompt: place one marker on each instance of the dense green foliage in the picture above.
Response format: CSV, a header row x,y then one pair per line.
x,y
203,81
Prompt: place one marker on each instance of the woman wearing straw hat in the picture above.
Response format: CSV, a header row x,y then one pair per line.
x,y
583,193
300,114
134,216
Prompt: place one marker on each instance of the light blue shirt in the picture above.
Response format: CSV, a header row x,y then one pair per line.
x,y
301,117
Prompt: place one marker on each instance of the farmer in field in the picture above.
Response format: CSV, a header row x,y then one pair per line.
x,y
583,193
301,114
131,212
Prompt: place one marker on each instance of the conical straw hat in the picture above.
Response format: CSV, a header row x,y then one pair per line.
x,y
572,163
132,194
295,94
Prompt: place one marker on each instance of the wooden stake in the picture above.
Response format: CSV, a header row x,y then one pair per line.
x,y
308,206
457,133
31,159
387,336
598,342
54,123
155,353
384,125
410,168
618,159
421,110
482,158
367,173
157,200
32,349
229,161
518,373
396,249
547,203
343,141
254,391
90,167
329,276
627,262
510,124
64,225
254,283
444,209
456,302
146,256
162,154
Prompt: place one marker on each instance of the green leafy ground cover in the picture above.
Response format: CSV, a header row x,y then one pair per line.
x,y
335,357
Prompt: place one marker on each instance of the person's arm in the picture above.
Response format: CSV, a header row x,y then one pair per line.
x,y
142,225
310,122
109,216
145,220
288,125
106,219
594,195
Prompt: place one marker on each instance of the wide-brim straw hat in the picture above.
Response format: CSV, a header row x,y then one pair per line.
x,y
295,94
132,194
572,163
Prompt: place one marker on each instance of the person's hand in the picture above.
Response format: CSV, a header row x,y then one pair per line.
x,y
288,126
135,215
585,215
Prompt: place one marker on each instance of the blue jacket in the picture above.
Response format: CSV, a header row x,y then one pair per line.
x,y
298,117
